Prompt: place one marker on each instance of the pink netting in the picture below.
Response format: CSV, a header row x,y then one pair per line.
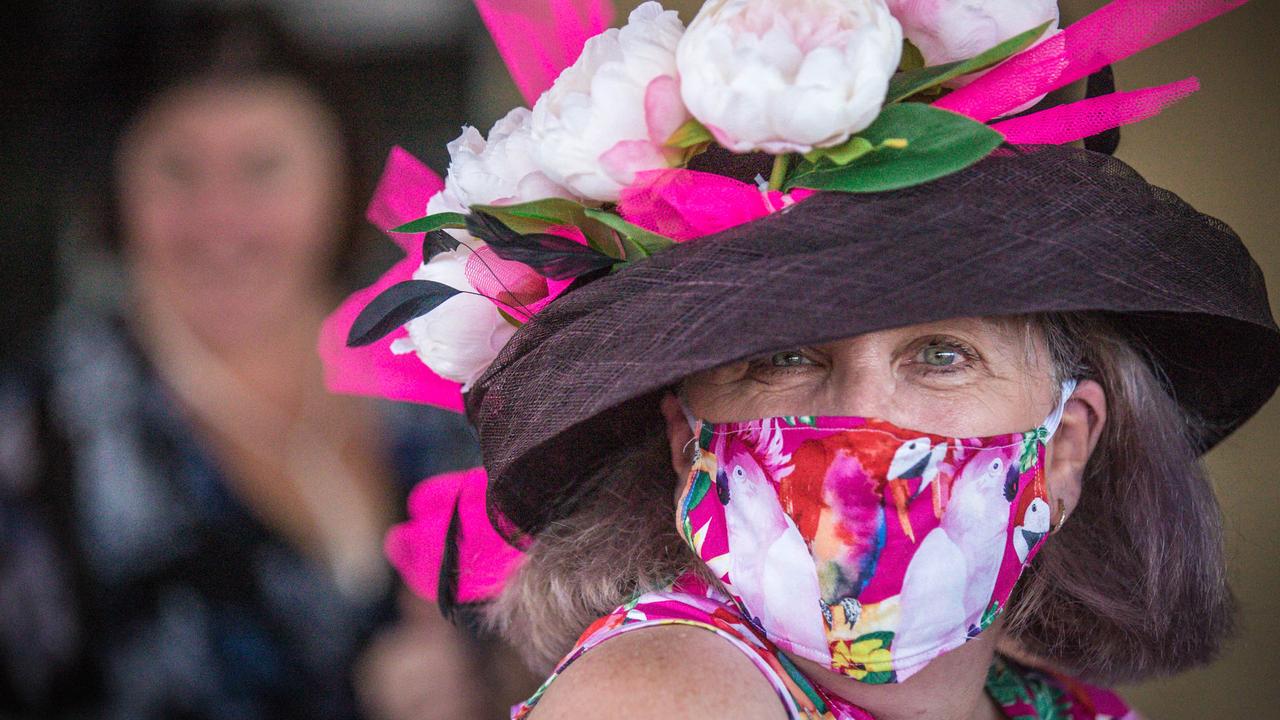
x,y
1078,120
512,284
687,204
539,38
1112,33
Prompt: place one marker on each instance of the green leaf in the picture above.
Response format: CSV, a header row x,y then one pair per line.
x,y
701,484
536,216
912,58
908,83
690,134
842,154
540,215
637,242
938,143
434,222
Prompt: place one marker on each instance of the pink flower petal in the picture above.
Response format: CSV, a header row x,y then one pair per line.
x,y
622,161
664,110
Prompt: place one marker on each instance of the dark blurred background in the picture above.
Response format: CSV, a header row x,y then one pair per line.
x,y
414,70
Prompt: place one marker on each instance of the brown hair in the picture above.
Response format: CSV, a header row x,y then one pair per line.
x,y
1133,586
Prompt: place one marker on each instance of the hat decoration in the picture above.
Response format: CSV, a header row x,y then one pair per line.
x,y
853,96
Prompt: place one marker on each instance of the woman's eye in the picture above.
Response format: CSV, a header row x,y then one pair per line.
x,y
944,356
789,358
263,167
940,356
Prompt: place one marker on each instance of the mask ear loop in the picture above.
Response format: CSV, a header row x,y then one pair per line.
x,y
1051,423
694,424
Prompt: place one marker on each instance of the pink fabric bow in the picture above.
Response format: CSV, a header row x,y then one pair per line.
x,y
687,204
416,547
373,370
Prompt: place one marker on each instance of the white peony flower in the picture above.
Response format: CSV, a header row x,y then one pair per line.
x,y
950,30
499,171
608,116
460,338
788,75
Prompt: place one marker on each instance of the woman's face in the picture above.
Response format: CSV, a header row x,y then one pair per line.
x,y
231,202
972,377
960,378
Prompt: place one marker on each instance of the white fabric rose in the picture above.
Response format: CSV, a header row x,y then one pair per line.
x,y
608,116
497,171
950,30
459,339
788,75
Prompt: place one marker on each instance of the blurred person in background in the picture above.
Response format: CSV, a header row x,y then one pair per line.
x,y
190,525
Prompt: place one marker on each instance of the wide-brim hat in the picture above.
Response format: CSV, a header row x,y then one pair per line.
x,y
1027,230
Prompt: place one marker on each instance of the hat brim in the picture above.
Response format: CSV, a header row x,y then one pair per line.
x,y
1046,229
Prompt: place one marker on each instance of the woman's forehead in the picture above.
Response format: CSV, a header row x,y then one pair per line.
x,y
999,331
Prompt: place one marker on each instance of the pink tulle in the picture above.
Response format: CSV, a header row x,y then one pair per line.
x,y
687,204
401,196
1078,120
1112,33
539,38
515,287
416,547
373,370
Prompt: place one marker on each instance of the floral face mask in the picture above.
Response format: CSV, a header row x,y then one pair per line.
x,y
862,546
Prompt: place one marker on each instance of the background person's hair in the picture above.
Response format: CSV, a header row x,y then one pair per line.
x,y
232,44
1133,587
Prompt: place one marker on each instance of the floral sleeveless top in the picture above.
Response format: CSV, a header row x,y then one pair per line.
x,y
1022,693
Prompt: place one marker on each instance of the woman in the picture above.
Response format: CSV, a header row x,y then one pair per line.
x,y
193,525
873,437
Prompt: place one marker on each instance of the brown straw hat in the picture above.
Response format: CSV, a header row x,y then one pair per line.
x,y
1027,230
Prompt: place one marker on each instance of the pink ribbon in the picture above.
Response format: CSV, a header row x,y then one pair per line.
x,y
540,38
1111,33
1078,120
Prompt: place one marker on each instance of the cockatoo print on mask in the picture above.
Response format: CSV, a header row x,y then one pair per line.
x,y
863,546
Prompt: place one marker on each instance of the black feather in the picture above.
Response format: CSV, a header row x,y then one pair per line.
x,y
1102,82
447,589
551,256
396,306
436,242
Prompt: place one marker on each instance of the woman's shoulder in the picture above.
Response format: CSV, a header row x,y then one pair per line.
x,y
658,671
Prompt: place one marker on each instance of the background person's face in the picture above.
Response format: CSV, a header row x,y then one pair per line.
x,y
230,198
962,378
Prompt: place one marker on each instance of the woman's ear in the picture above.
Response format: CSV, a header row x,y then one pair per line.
x,y
679,434
1068,452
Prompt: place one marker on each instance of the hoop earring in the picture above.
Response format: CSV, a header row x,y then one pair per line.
x,y
1062,517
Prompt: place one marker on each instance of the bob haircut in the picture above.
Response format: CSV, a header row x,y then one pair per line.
x,y
1133,587
231,44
